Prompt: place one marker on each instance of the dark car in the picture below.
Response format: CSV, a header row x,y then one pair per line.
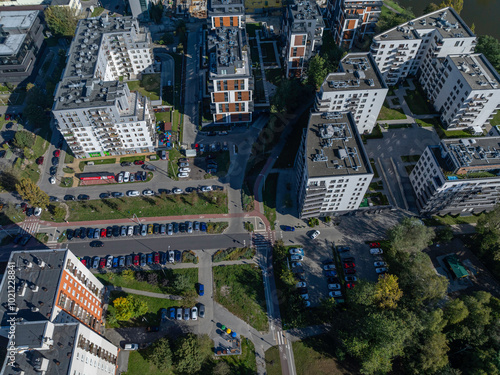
x,y
83,233
96,244
137,229
39,161
288,228
156,228
125,164
182,227
117,194
149,167
83,197
302,290
128,260
343,249
152,328
349,271
55,161
18,238
90,232
203,226
53,199
150,259
53,171
104,195
163,257
109,232
333,280
116,231
348,259
69,234
349,265
175,227
30,211
77,233
25,240
69,197
138,176
178,256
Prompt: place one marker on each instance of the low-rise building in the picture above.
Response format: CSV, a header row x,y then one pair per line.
x,y
458,176
97,113
352,20
230,77
75,5
333,170
21,36
358,87
303,29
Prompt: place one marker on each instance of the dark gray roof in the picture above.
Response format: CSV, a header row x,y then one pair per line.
x,y
477,71
446,21
356,71
227,57
474,152
56,359
334,147
303,11
35,304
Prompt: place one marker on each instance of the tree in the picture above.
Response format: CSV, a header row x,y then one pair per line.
x,y
455,311
221,368
61,21
181,282
363,294
444,234
161,355
490,47
286,97
431,8
24,139
187,355
153,278
387,292
167,38
156,12
59,212
410,235
30,192
128,275
458,5
473,27
317,71
123,308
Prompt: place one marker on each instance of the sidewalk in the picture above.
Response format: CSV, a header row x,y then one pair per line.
x,y
144,293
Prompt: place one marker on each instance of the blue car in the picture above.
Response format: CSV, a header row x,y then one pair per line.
x,y
171,313
330,273
203,227
138,176
115,262
201,289
288,228
150,259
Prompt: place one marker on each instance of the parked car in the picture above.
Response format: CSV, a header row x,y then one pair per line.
x,y
206,188
328,267
137,259
171,313
376,251
348,259
380,264
296,264
156,258
69,234
203,226
139,162
186,313
125,164
121,261
331,273
83,197
177,256
179,313
53,171
40,160
117,194
297,250
163,229
38,211
349,265
296,257
128,260
152,329
171,258
150,228
177,191
137,229
351,278
334,286
170,229
115,262
201,310
335,293
288,228
301,284
148,192
144,230
104,195
201,289
194,313
133,193
374,244
52,180
143,260
102,263
381,270
69,197
149,167
95,263
149,260
343,249
126,177
163,257
96,244
315,234
123,230
57,153
182,175
349,271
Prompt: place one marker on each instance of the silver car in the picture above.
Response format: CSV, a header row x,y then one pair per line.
x,y
171,256
187,314
130,230
189,226
144,230
97,231
179,313
170,230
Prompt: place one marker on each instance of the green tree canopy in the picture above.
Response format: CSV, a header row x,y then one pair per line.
x,y
30,192
188,356
61,21
24,139
161,355
317,71
387,292
410,235
457,5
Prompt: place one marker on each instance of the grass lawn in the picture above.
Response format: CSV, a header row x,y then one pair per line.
x,y
453,219
96,162
273,362
496,119
427,123
387,113
132,158
375,171
314,356
275,76
139,365
69,157
214,202
173,166
245,363
268,55
97,11
149,85
163,116
240,288
269,197
10,214
252,27
116,279
418,103
152,317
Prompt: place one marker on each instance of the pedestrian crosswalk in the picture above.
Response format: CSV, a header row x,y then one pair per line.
x,y
30,226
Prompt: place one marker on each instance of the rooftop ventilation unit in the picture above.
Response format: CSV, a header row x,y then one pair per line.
x,y
320,157
332,115
370,82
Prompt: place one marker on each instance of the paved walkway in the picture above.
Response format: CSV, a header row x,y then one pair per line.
x,y
144,293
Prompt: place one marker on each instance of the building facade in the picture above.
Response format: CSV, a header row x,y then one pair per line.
x,y
95,112
333,170
352,20
303,28
464,89
401,51
21,36
75,5
140,9
458,176
357,87
230,77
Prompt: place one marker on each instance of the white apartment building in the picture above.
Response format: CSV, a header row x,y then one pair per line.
x,y
333,170
96,112
400,52
357,87
303,27
230,77
465,89
458,176
352,20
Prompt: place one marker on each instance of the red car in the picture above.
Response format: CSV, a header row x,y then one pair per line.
x,y
374,244
39,161
102,263
350,285
103,232
156,258
139,162
349,265
84,262
7,116
57,153
136,260
349,271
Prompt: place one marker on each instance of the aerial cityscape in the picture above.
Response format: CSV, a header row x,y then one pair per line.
x,y
298,187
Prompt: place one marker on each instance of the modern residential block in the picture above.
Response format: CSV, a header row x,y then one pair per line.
x,y
140,9
230,67
400,52
303,28
352,20
75,5
44,347
333,170
464,89
97,113
458,176
358,87
21,38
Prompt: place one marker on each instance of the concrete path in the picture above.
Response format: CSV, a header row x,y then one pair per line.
x,y
144,293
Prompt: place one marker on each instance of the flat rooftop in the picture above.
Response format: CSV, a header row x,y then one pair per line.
x,y
476,70
303,11
15,24
334,147
37,280
446,21
357,71
227,57
473,153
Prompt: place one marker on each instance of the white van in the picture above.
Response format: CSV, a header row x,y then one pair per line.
x,y
126,177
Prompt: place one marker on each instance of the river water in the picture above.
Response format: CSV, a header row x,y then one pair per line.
x,y
483,13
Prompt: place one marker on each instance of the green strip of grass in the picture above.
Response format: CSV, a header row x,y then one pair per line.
x,y
131,159
269,197
240,288
273,361
245,363
387,113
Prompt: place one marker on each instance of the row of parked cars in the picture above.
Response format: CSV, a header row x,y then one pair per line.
x,y
132,177
296,256
135,230
380,265
184,168
140,259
